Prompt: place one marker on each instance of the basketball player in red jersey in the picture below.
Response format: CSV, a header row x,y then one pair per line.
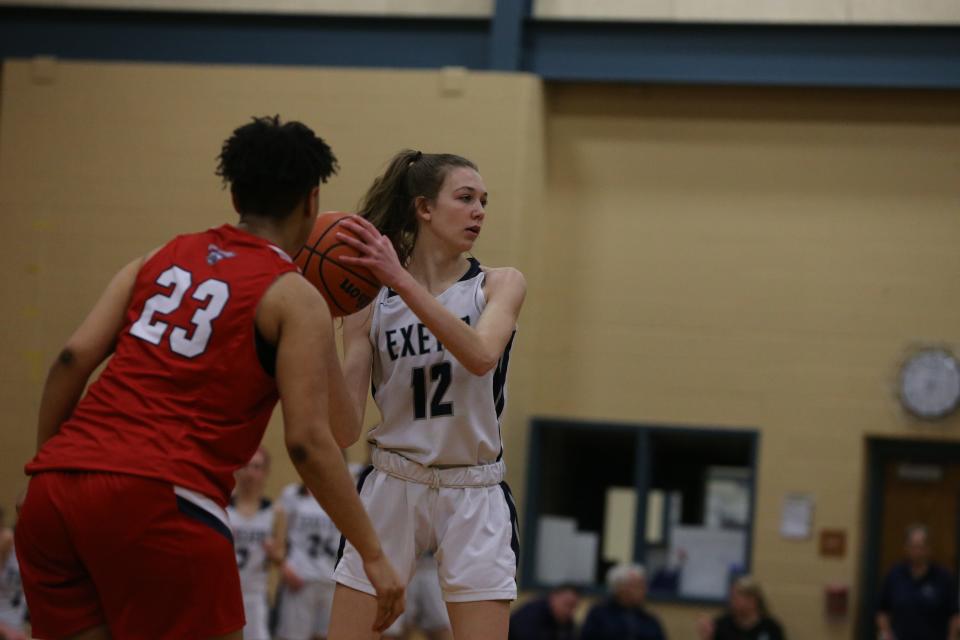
x,y
123,531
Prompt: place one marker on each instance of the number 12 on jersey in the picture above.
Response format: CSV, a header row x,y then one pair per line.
x,y
442,373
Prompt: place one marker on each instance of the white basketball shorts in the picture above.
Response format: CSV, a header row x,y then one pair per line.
x,y
465,515
305,613
256,611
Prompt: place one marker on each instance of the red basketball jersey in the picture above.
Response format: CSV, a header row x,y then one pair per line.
x,y
184,398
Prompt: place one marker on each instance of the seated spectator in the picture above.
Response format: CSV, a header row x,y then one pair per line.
x,y
747,617
547,618
622,615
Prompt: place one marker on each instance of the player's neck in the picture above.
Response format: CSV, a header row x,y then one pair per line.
x,y
247,502
283,235
436,268
747,620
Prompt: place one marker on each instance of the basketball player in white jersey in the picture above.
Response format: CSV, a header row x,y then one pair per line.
x,y
435,345
425,611
307,596
259,531
13,606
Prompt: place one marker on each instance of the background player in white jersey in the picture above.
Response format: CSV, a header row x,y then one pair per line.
x,y
436,342
425,610
259,532
307,587
13,606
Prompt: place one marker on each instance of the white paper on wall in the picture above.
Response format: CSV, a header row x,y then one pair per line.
x,y
619,523
563,553
796,519
711,557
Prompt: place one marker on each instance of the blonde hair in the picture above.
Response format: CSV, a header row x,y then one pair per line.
x,y
620,574
748,586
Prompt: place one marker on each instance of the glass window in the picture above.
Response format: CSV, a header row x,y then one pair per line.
x,y
592,487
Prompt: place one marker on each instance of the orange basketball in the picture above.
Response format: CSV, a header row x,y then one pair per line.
x,y
347,288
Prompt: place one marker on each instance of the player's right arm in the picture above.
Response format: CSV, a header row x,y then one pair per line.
x,y
293,316
85,350
357,361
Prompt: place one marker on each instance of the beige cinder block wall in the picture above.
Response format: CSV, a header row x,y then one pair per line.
x,y
702,256
102,162
752,257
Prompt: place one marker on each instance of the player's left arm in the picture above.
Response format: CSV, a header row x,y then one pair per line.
x,y
505,289
477,348
85,350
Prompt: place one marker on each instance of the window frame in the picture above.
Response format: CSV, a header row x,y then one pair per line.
x,y
642,481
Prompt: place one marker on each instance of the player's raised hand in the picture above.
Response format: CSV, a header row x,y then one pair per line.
x,y
391,596
376,251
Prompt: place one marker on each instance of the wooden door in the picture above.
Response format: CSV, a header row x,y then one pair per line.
x,y
920,493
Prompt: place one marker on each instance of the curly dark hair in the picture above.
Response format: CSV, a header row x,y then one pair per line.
x,y
271,166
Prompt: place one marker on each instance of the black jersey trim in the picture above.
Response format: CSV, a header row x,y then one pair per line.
x,y
472,272
499,387
203,516
514,522
343,541
266,353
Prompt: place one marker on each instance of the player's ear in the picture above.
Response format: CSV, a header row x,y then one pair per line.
x,y
423,209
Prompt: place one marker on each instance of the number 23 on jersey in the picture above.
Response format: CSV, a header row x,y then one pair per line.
x,y
189,342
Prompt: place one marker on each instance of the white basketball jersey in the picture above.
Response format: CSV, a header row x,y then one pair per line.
x,y
249,534
433,410
312,537
13,606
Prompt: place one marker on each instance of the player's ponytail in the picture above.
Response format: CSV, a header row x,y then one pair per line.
x,y
390,203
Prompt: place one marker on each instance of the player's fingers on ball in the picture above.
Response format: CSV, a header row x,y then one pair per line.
x,y
357,233
362,228
352,241
367,224
357,260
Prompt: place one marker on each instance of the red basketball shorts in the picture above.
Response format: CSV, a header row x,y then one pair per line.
x,y
125,552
